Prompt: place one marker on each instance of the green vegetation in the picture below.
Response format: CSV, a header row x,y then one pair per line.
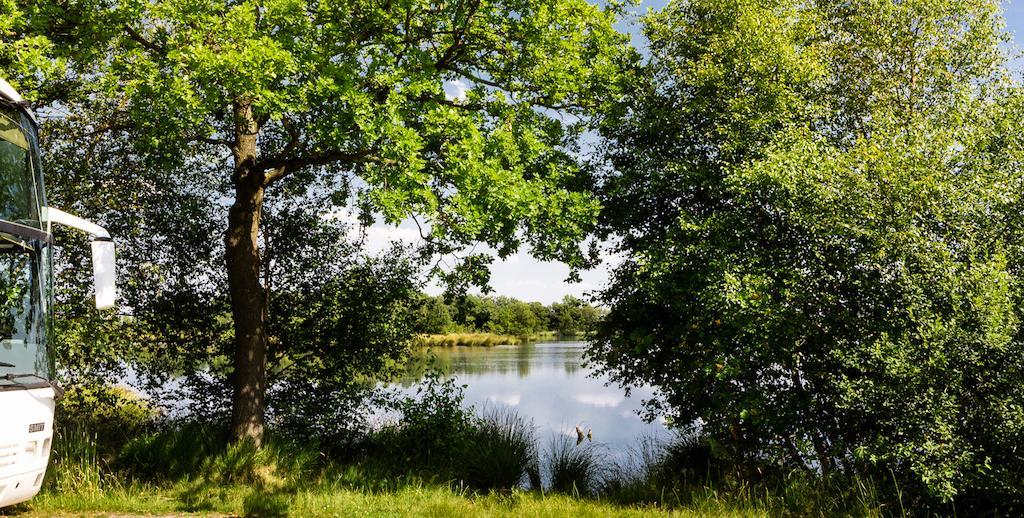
x,y
817,205
574,468
467,340
207,123
489,316
818,208
412,500
438,458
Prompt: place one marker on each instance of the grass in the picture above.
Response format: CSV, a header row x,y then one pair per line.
x,y
500,453
467,340
486,339
575,469
324,500
158,474
438,460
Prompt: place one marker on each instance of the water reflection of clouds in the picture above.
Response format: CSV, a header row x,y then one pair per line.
x,y
505,399
599,400
546,383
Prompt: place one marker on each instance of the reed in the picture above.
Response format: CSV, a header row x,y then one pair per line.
x,y
76,464
467,340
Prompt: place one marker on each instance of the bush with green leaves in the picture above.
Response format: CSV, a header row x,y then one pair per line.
x,y
432,426
819,206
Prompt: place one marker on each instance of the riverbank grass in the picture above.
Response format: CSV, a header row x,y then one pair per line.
x,y
426,500
467,340
487,339
154,475
439,459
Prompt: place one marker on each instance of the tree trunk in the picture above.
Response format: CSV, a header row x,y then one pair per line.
x,y
248,297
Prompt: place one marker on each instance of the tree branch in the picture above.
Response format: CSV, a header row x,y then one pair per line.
x,y
425,237
212,141
280,166
449,102
475,78
138,38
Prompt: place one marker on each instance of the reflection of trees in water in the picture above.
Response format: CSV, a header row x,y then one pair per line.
x,y
471,361
571,365
520,360
523,354
422,361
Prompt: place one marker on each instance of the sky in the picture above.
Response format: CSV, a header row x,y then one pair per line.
x,y
526,278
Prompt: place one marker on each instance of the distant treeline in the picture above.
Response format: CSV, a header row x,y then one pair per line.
x,y
502,315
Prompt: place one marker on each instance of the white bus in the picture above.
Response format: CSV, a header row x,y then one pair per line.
x,y
27,369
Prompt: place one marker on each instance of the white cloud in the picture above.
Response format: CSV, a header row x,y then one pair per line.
x,y
455,89
519,275
379,236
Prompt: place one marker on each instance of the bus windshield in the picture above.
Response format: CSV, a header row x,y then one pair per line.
x,y
24,256
22,310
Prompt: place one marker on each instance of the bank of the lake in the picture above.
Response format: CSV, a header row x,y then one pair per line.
x,y
485,339
468,340
483,432
549,384
294,480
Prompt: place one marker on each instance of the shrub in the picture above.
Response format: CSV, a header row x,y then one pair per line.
x,y
92,423
432,428
112,415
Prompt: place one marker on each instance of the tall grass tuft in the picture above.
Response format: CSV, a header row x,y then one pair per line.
x,y
500,452
200,452
92,423
173,452
689,459
76,465
635,477
575,469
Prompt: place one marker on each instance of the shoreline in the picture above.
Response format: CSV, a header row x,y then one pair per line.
x,y
484,339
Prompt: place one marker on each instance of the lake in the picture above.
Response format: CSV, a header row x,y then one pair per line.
x,y
547,383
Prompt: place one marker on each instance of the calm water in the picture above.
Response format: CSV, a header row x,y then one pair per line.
x,y
547,383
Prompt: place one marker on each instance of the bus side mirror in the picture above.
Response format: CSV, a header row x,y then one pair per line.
x,y
102,254
103,272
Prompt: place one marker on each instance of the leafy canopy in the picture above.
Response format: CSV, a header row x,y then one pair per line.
x,y
819,203
464,113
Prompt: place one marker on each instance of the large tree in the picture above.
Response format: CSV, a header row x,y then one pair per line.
x,y
819,208
350,95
